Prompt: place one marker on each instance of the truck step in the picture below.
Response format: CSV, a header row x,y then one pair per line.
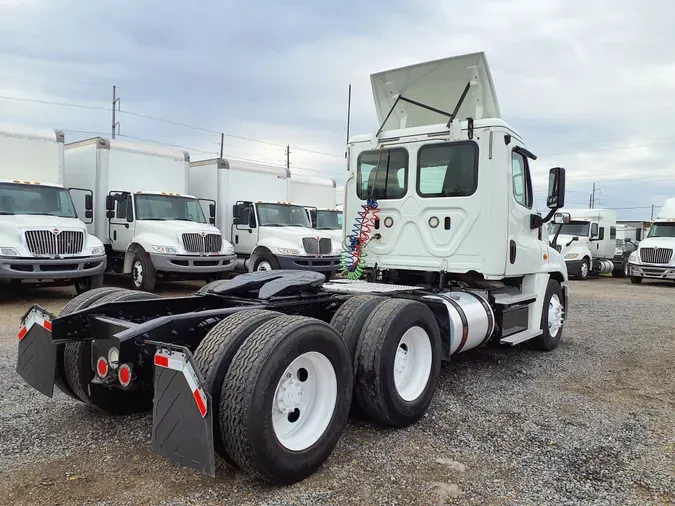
x,y
521,337
507,299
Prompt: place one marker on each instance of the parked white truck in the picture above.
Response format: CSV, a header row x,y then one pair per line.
x,y
267,229
42,237
144,215
654,257
318,196
587,242
260,378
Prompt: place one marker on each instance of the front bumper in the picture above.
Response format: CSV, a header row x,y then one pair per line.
x,y
651,271
51,269
307,263
573,267
193,263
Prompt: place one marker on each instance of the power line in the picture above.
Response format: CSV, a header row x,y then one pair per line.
x,y
48,102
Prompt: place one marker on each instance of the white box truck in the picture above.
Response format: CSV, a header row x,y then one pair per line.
x,y
654,256
318,196
267,229
144,215
42,238
587,242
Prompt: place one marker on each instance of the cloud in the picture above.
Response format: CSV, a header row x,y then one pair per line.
x,y
589,85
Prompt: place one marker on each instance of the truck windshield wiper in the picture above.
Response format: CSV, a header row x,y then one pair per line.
x,y
6,213
153,219
45,214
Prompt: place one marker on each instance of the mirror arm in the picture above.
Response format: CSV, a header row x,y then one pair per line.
x,y
550,214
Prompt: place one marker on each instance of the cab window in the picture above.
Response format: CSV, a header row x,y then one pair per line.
x,y
382,174
522,186
447,169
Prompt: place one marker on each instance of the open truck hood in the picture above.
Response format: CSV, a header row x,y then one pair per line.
x,y
438,84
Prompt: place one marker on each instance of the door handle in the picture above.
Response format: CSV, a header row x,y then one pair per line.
x,y
126,225
512,252
114,235
250,231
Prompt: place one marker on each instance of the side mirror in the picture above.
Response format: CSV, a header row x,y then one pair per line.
x,y
89,214
236,211
562,218
212,210
130,212
110,214
88,202
110,204
556,188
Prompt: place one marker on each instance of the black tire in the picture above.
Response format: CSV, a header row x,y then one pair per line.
x,y
79,372
348,320
374,361
214,355
249,391
143,274
83,285
581,276
546,341
207,288
269,258
80,302
635,280
621,272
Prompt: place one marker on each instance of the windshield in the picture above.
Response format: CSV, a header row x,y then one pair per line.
x,y
662,230
329,220
165,207
35,199
577,228
282,215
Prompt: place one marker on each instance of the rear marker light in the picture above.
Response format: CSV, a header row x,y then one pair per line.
x,y
124,375
102,367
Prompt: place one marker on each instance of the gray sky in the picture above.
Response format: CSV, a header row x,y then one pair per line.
x,y
589,84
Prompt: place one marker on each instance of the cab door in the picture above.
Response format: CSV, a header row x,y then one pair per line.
x,y
121,225
244,228
524,249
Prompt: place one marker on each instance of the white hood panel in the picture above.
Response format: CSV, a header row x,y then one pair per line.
x,y
437,84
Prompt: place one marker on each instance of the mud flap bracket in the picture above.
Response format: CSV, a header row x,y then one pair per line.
x,y
182,415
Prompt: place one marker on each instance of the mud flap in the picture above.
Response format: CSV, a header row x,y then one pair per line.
x,y
36,362
182,415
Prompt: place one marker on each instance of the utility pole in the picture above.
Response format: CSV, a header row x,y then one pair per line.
x,y
222,138
115,103
591,201
652,218
349,109
288,157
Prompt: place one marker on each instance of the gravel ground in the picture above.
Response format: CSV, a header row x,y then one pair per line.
x,y
590,423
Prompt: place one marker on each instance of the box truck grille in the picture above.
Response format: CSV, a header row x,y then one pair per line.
x,y
317,247
47,242
656,255
198,243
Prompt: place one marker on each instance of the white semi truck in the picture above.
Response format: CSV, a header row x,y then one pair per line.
x,y
318,196
261,370
654,256
268,230
144,215
588,242
43,239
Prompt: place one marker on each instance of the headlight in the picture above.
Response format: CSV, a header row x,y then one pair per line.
x,y
228,250
285,251
9,252
97,250
571,256
167,250
633,257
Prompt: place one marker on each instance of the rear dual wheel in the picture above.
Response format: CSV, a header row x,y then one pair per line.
x,y
282,386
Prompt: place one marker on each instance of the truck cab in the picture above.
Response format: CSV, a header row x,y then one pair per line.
x,y
43,236
148,232
587,242
328,220
654,256
273,235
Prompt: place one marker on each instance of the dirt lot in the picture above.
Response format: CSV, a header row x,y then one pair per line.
x,y
590,423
